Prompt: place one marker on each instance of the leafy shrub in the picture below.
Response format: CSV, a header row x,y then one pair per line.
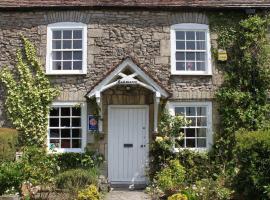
x,y
89,193
197,164
85,160
178,196
8,141
252,156
76,179
10,177
37,166
171,177
206,189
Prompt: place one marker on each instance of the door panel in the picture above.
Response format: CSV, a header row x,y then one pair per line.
x,y
128,143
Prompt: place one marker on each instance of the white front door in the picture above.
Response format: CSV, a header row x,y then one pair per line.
x,y
127,144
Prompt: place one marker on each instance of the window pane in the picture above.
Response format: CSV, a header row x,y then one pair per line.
x,y
76,133
65,111
180,55
190,45
180,35
201,142
200,35
67,34
67,65
56,44
54,133
200,56
77,34
77,44
67,55
76,111
190,35
201,66
57,65
65,133
192,121
190,66
55,143
190,143
65,122
56,34
57,55
76,122
76,143
201,121
54,112
180,45
180,143
190,132
201,132
77,55
179,110
54,122
201,111
191,111
190,56
200,45
180,66
67,44
65,143
77,65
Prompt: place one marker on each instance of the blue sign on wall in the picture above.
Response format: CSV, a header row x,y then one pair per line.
x,y
92,123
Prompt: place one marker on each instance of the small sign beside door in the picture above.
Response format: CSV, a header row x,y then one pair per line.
x,y
92,123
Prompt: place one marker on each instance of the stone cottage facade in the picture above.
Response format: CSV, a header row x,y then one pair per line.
x,y
122,61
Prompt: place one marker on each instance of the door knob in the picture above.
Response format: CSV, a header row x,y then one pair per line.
x,y
142,146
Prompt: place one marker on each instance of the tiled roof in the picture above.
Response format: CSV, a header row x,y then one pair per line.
x,y
136,3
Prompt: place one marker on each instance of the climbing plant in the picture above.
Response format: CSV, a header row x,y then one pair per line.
x,y
243,95
28,96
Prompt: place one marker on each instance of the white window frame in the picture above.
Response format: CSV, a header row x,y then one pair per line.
x,y
191,27
83,106
63,26
209,137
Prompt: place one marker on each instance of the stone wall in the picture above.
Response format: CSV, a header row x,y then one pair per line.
x,y
112,36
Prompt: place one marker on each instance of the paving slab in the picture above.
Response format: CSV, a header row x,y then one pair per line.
x,y
125,194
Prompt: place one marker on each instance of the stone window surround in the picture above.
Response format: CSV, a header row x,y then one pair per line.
x,y
208,104
63,26
83,106
191,27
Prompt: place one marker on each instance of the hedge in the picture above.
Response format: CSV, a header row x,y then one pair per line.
x,y
8,141
252,154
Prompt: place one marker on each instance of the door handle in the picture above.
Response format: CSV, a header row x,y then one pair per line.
x,y
142,146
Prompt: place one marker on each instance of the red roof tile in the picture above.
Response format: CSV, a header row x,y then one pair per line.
x,y
135,3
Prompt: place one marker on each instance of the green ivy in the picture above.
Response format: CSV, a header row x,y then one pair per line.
x,y
243,95
29,95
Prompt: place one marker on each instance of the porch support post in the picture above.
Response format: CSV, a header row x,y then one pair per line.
x,y
156,105
99,103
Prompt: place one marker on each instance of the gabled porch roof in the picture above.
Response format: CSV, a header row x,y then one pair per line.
x,y
136,76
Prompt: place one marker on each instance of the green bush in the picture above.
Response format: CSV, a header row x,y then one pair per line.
x,y
89,193
171,177
178,196
10,177
85,160
8,141
76,179
252,154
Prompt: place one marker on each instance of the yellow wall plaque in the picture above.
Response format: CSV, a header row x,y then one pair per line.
x,y
222,55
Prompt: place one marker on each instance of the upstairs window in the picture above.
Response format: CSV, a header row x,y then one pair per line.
x,y
190,45
66,48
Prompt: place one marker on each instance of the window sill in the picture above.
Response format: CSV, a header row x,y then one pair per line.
x,y
65,73
177,150
191,73
66,150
